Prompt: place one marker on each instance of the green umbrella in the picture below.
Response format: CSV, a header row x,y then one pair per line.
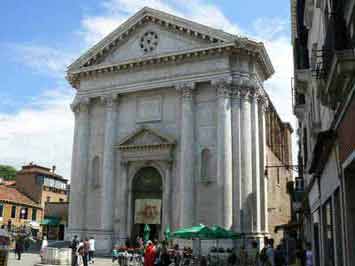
x,y
146,232
167,233
222,233
200,231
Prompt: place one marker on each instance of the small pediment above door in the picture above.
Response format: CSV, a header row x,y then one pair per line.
x,y
146,144
145,137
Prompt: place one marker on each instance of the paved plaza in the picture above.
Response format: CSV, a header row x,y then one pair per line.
x,y
32,259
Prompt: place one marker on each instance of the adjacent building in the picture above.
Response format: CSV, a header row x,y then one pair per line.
x,y
16,209
49,190
41,184
324,63
167,113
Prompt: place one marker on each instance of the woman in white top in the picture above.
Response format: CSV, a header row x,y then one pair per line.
x,y
44,246
91,249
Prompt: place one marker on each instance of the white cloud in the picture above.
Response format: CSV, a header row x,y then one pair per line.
x,y
42,59
95,28
41,132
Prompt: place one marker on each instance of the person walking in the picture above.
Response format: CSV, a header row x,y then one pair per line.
x,y
74,247
309,254
44,246
164,256
253,254
280,259
150,254
19,246
80,256
270,253
91,249
86,246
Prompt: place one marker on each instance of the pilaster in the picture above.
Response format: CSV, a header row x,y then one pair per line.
x,y
123,213
167,206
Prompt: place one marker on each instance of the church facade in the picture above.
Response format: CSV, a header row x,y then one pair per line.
x,y
170,131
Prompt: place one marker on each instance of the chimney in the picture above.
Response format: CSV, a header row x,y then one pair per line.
x,y
53,169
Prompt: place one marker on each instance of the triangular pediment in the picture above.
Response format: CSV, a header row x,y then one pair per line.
x,y
148,33
152,40
145,137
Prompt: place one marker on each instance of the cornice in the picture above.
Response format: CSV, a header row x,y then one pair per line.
x,y
244,45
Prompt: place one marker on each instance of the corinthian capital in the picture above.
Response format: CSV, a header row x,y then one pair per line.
x,y
109,100
186,90
263,101
80,104
223,86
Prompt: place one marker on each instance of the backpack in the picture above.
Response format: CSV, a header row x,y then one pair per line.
x,y
74,245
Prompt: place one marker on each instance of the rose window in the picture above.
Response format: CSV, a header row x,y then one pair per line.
x,y
149,41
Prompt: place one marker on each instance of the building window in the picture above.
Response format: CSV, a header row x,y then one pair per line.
x,y
34,214
48,199
1,209
328,234
278,175
13,211
96,172
24,213
61,200
205,164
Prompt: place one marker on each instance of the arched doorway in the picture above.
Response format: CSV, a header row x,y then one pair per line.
x,y
146,199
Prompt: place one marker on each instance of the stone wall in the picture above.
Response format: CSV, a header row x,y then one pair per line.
x,y
279,204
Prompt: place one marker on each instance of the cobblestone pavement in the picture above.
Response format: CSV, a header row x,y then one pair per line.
x,y
32,259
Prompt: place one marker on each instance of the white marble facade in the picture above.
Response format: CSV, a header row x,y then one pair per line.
x,y
185,99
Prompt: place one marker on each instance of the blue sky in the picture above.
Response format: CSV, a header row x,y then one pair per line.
x,y
40,39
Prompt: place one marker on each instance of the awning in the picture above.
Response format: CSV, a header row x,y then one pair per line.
x,y
52,221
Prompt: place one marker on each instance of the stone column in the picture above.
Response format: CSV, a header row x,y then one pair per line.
x,y
80,179
262,100
167,207
256,161
224,150
74,167
108,164
236,146
187,156
246,162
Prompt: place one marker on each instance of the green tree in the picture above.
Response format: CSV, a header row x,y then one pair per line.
x,y
7,172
